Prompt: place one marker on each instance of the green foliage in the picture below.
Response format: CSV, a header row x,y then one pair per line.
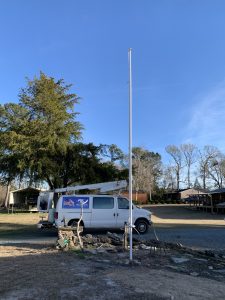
x,y
80,163
40,125
39,139
112,152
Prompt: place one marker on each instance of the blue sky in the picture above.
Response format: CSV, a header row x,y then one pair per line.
x,y
178,65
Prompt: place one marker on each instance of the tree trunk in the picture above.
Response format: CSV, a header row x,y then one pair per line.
x,y
50,183
189,180
150,193
204,181
7,194
178,180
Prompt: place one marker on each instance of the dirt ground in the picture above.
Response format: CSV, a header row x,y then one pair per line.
x,y
39,271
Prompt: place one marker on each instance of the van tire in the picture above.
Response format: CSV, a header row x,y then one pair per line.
x,y
73,223
142,226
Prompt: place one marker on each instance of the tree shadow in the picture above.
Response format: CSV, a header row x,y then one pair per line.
x,y
14,230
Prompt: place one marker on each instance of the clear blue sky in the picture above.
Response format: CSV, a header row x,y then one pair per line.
x,y
178,64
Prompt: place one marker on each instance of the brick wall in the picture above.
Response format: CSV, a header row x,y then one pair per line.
x,y
142,198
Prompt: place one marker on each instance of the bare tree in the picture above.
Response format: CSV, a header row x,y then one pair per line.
x,y
147,167
138,169
176,154
152,169
207,156
217,170
168,178
190,156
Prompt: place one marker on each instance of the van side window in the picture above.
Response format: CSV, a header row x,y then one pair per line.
x,y
103,202
123,203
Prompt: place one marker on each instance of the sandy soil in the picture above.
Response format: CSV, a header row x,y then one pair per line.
x,y
35,272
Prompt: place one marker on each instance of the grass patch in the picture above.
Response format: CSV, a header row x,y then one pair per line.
x,y
79,253
18,224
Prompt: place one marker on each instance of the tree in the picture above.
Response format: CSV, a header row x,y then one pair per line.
x,y
217,170
190,155
137,154
79,164
207,155
9,171
197,185
40,126
168,178
176,154
152,170
147,168
113,152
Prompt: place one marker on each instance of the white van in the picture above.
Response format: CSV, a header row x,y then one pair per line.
x,y
99,211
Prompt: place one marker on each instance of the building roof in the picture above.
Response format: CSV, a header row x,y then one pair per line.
x,y
182,190
27,189
218,191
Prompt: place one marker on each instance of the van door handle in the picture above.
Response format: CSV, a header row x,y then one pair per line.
x,y
117,214
114,214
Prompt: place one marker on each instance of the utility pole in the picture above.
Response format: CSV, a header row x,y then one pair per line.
x,y
130,157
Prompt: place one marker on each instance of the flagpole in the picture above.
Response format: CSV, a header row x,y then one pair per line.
x,y
130,156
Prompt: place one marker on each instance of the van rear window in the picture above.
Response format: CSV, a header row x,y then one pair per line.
x,y
103,202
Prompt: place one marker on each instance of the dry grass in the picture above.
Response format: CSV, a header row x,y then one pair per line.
x,y
13,224
19,218
183,214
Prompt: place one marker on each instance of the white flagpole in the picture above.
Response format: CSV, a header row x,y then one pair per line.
x,y
130,156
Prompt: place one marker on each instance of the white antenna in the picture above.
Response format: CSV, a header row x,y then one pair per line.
x,y
130,156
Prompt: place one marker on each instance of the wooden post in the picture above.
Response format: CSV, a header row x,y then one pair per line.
x,y
211,204
125,244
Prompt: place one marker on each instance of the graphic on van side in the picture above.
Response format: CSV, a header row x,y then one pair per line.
x,y
75,202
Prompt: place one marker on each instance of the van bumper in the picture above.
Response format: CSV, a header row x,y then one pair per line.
x,y
45,224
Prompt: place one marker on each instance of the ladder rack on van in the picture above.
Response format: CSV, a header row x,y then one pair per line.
x,y
103,187
47,198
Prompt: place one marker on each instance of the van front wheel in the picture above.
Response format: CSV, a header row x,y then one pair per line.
x,y
142,226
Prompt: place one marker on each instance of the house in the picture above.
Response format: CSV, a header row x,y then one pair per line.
x,y
213,201
24,198
183,194
218,199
